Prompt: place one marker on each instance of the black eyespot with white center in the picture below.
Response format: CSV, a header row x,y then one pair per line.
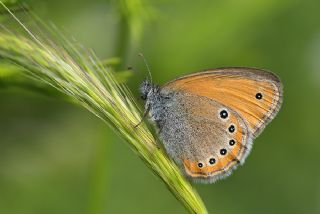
x,y
223,151
259,96
223,114
231,129
212,161
200,165
232,142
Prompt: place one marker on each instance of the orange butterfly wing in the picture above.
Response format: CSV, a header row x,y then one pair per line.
x,y
256,95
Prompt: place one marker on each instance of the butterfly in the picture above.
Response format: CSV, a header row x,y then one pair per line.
x,y
207,121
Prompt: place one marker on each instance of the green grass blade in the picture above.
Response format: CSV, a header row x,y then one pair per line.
x,y
93,86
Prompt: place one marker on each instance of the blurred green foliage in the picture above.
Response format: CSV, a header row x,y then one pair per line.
x,y
57,158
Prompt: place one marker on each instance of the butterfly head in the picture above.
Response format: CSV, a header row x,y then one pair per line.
x,y
147,88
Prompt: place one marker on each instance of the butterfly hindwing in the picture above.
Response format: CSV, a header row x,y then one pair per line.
x,y
256,95
198,138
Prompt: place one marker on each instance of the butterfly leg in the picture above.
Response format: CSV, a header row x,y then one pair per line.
x,y
143,117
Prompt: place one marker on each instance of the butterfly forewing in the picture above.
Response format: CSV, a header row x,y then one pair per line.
x,y
255,94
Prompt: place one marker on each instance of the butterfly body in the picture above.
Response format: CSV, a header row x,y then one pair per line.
x,y
200,124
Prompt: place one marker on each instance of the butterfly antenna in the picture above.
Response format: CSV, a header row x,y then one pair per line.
x,y
145,62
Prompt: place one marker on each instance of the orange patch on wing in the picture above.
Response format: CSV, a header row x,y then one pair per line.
x,y
221,164
238,136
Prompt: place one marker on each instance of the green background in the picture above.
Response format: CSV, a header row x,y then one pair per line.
x,y
58,158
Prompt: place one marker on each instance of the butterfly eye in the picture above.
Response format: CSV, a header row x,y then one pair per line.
x,y
232,128
223,151
200,165
259,96
212,161
232,142
223,114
